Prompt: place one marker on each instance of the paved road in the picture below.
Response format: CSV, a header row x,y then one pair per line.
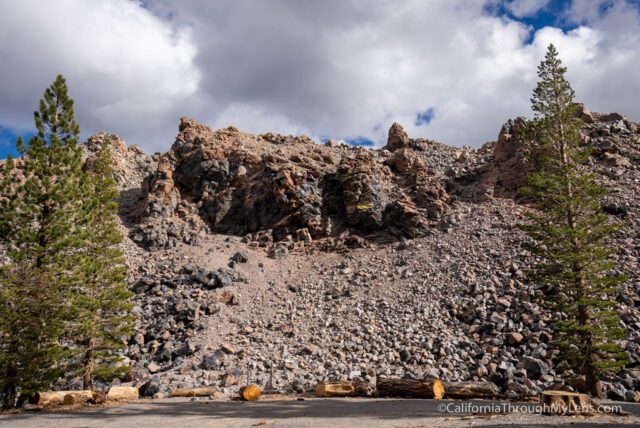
x,y
312,412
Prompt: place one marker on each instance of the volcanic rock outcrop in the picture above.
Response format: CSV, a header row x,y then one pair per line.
x,y
236,183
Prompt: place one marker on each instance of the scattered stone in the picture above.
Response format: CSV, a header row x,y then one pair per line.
x,y
227,349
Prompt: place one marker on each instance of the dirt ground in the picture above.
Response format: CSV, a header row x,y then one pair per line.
x,y
314,412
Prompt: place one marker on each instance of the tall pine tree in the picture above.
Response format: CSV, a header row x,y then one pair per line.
x,y
100,304
570,231
38,211
62,292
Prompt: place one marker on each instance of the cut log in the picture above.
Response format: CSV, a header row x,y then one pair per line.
x,y
122,393
333,388
362,388
204,391
470,389
414,388
565,403
250,393
55,398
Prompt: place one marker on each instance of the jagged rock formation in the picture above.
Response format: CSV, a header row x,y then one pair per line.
x,y
508,170
131,166
236,183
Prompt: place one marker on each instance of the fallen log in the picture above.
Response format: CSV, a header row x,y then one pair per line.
x,y
332,388
413,388
565,403
336,388
55,398
250,393
470,389
204,391
362,388
122,393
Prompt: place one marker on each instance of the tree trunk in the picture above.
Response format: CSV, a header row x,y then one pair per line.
x,y
122,393
87,379
8,393
414,388
592,381
470,389
565,403
194,392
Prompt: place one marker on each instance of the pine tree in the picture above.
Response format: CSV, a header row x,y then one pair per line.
x,y
37,229
30,322
101,304
570,233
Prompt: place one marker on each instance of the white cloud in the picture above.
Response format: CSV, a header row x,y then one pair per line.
x,y
526,8
336,68
127,70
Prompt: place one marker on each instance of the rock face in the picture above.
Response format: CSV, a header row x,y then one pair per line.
x,y
130,167
509,168
612,137
235,183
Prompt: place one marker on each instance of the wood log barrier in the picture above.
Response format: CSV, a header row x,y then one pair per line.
x,y
470,389
122,393
413,388
56,398
204,391
336,388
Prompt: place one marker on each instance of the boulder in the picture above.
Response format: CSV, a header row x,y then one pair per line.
x,y
398,138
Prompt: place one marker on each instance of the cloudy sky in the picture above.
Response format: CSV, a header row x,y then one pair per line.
x,y
450,70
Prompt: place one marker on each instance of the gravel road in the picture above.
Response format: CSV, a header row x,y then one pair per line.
x,y
310,412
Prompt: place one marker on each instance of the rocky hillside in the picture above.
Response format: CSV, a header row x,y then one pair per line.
x,y
277,260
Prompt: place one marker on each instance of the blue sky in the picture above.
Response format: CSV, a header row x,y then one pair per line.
x,y
7,142
448,70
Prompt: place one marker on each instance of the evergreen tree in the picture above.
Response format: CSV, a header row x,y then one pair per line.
x,y
101,303
29,325
570,231
37,229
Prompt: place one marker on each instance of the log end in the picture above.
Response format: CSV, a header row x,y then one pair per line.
x,y
251,393
438,389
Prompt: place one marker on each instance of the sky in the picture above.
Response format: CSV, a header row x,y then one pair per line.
x,y
448,70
